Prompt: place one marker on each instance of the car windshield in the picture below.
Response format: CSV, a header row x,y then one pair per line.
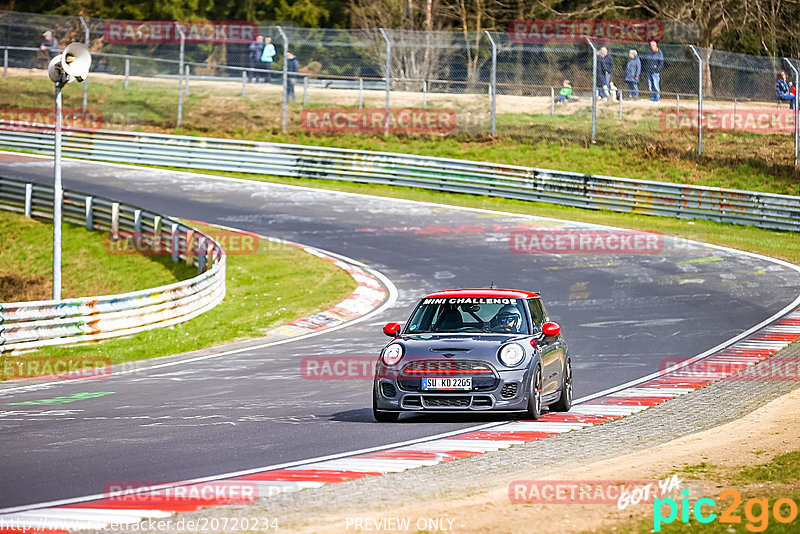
x,y
469,315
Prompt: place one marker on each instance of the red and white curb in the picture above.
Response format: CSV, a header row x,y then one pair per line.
x,y
680,379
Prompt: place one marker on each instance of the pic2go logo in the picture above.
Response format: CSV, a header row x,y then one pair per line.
x,y
756,511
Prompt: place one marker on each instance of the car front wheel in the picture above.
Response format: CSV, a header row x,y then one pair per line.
x,y
535,398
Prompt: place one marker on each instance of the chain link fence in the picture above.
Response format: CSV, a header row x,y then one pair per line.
x,y
471,85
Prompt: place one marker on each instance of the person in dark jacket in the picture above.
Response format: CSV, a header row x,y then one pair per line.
x,y
291,66
633,69
783,90
256,49
605,64
654,62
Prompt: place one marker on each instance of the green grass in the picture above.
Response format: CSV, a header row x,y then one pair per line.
x,y
271,287
26,264
781,474
634,148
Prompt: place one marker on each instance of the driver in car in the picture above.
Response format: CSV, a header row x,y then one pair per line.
x,y
507,320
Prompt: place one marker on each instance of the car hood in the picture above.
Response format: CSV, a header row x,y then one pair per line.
x,y
434,345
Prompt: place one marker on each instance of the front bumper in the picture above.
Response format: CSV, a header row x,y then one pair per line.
x,y
508,393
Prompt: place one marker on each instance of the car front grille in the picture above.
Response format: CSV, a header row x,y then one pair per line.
x,y
447,368
509,390
448,402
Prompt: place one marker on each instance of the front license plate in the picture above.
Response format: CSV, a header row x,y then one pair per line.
x,y
447,383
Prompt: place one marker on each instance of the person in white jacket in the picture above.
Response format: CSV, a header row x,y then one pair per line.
x,y
266,57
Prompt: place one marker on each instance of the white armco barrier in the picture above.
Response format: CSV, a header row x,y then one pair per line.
x,y
27,325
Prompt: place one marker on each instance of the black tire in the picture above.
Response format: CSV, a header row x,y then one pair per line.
x,y
564,403
381,416
535,398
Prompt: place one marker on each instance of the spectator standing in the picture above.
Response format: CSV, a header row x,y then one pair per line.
x,y
565,93
48,49
633,69
266,57
291,66
256,49
605,64
654,63
783,90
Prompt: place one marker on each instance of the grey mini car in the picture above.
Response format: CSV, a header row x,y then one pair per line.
x,y
474,350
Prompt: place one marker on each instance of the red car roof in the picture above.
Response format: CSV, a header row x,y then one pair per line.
x,y
483,293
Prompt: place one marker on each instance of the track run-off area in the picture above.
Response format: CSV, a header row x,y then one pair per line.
x,y
624,315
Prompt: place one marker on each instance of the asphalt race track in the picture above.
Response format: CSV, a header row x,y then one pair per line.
x,y
622,314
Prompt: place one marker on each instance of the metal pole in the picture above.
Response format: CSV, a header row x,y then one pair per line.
x,y
494,83
127,71
186,81
180,71
796,111
619,95
305,90
285,77
594,89
244,84
699,100
425,94
678,106
85,82
58,193
552,101
388,76
360,93
5,62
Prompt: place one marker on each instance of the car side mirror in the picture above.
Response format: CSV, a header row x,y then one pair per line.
x,y
391,329
551,329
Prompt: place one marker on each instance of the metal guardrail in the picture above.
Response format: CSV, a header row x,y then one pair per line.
x,y
763,210
26,325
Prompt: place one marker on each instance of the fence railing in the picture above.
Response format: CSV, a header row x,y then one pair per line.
x,y
763,210
27,325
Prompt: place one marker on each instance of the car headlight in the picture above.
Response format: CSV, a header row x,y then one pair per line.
x,y
512,354
392,353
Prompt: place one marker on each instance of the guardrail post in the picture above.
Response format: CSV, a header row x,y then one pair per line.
x,y
174,243
180,71
28,199
189,246
87,37
89,218
156,240
388,76
285,78
244,84
796,111
137,227
127,72
305,90
360,93
493,86
201,255
699,99
594,89
115,220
